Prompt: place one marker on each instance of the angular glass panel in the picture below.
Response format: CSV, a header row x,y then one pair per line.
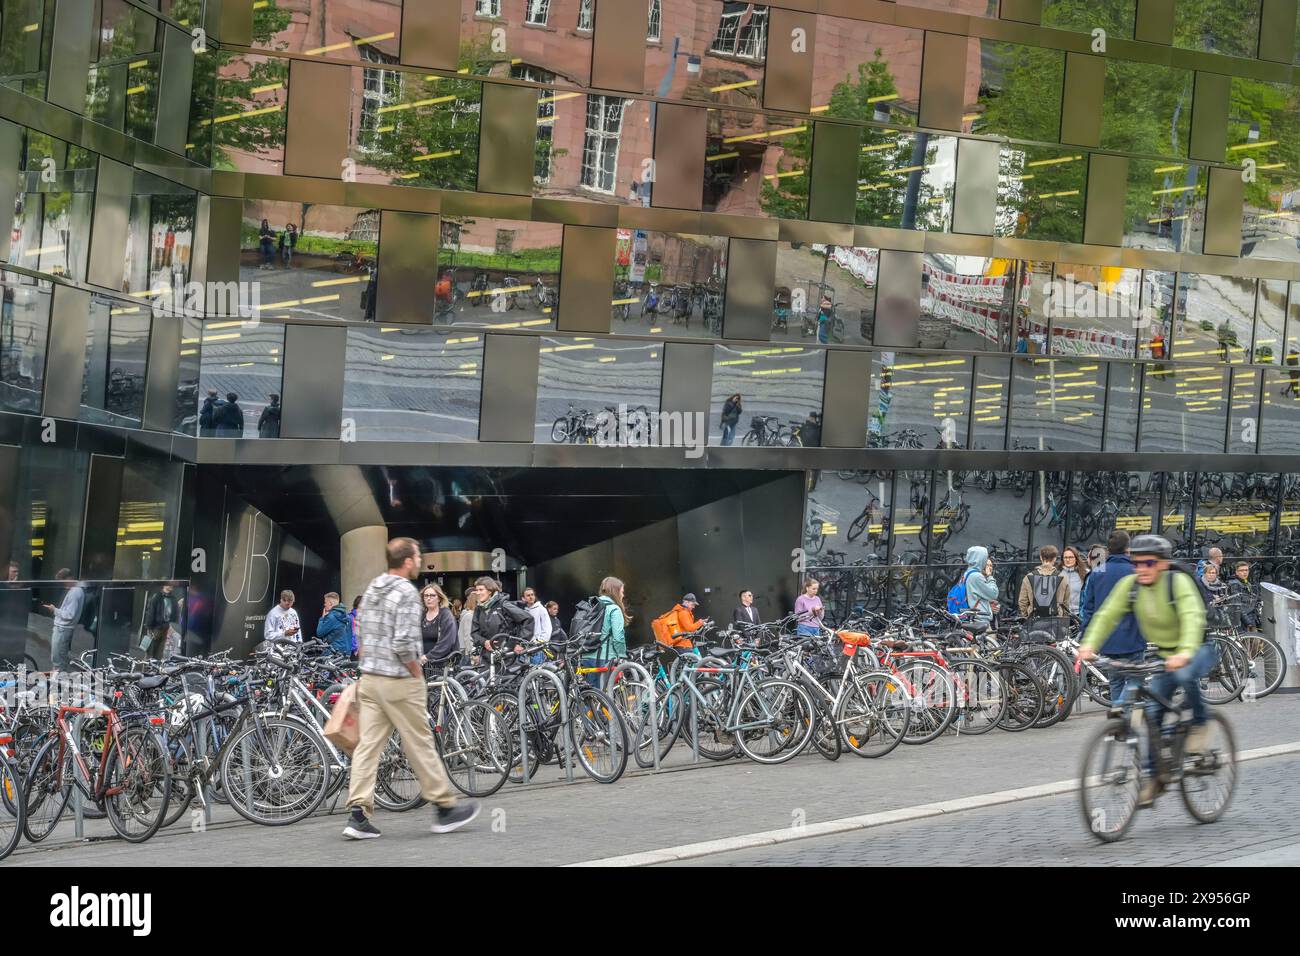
x,y
1270,215
310,260
365,28
1176,510
122,84
1156,325
598,149
248,113
725,45
1243,420
968,513
240,377
160,237
25,30
756,165
1117,17
867,71
1105,501
603,393
1122,407
989,406
415,129
967,302
498,273
117,358
1041,191
1270,322
1095,310
24,334
911,517
185,419
1184,408
1164,205
1019,92
412,384
51,224
906,180
147,520
1215,318
915,396
1235,513
778,390
669,283
849,511
1230,27
1146,108
1280,429
49,508
831,291
557,40
1034,301
1058,405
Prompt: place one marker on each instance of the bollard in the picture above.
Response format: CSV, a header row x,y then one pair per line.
x,y
529,678
650,688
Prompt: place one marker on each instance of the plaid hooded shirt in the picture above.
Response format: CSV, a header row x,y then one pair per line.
x,y
389,622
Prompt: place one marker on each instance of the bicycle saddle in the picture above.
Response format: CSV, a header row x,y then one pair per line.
x,y
724,651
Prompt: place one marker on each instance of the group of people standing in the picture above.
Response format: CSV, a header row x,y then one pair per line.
x,y
269,243
223,418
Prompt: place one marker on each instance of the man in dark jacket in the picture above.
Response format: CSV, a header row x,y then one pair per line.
x,y
229,417
158,618
1125,642
745,613
334,628
268,423
207,414
497,617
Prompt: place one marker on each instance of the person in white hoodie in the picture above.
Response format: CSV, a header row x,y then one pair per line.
x,y
282,620
541,619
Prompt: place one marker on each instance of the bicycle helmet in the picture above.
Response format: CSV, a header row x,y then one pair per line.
x,y
1151,544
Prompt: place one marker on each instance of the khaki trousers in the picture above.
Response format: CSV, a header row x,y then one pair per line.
x,y
401,702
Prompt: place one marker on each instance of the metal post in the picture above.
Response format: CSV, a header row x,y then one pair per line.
x,y
649,683
550,675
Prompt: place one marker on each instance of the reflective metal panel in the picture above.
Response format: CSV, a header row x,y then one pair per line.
x,y
24,332
400,285
314,361
1155,21
236,21
678,155
497,273
316,129
1210,116
688,378
71,49
65,362
977,187
791,53
1103,218
11,163
175,86
1041,193
103,500
943,80
751,283
898,298
834,172
586,276
164,372
427,39
507,137
109,224
1024,11
509,388
1085,87
1223,209
618,52
1277,30
846,399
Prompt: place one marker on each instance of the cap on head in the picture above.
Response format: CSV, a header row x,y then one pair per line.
x,y
1151,544
689,599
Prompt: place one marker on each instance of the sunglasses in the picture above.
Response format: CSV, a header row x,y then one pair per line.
x,y
1145,562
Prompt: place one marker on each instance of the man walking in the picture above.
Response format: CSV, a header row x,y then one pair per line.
x,y
159,616
282,620
392,693
66,617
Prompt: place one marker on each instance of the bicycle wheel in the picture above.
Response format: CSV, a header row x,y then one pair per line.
x,y
859,525
1111,779
873,715
1266,665
775,720
981,697
476,749
1056,673
46,791
710,716
1210,778
137,784
396,787
560,431
670,713
1096,686
597,735
1024,696
277,782
826,733
506,707
1227,678
933,700
13,808
181,758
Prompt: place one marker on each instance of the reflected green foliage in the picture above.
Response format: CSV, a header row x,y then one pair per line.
x,y
25,29
1275,109
1041,193
1147,109
1117,17
1020,92
232,77
1230,27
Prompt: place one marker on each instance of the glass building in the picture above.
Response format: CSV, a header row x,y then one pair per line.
x,y
665,289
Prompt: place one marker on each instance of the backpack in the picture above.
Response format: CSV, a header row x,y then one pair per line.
x,y
1044,588
1176,566
588,618
520,623
958,600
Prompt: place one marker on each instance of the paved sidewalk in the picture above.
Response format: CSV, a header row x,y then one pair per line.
x,y
558,823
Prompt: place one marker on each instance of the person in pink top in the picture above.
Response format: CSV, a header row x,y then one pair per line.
x,y
808,607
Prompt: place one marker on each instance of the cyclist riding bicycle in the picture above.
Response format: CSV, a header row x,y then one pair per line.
x,y
1170,613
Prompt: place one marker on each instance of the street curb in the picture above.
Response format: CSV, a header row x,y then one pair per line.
x,y
692,851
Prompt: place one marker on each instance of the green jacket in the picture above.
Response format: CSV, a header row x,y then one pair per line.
x,y
614,642
1175,628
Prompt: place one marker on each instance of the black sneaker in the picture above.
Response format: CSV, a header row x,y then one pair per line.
x,y
359,826
446,819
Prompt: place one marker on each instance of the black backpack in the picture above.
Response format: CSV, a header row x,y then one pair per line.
x,y
519,622
588,618
1043,588
1176,567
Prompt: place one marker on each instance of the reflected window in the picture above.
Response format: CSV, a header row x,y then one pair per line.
x,y
24,334
600,142
497,273
830,292
117,357
51,224
1214,319
147,520
1106,501
1270,322
967,302
122,82
1280,429
412,384
1164,205
586,11
239,379
1040,193
669,283
309,260
1184,408
907,180
545,143
756,165
1122,389
603,393
379,88
742,31
1058,405
1243,419
487,8
537,11
1094,310
1019,92
597,150
1146,108
654,20
921,401
248,116
766,396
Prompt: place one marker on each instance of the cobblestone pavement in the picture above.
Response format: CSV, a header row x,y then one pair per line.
x,y
556,823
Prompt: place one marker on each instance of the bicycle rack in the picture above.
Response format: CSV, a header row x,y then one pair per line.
x,y
644,674
527,682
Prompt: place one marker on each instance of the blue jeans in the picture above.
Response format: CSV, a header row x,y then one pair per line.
x,y
1119,686
728,434
805,630
1189,679
61,646
595,680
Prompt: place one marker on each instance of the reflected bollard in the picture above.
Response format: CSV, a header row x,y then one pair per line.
x,y
650,690
534,675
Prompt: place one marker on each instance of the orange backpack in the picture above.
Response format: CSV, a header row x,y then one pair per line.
x,y
665,626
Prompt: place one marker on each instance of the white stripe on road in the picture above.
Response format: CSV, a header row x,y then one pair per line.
x,y
848,824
